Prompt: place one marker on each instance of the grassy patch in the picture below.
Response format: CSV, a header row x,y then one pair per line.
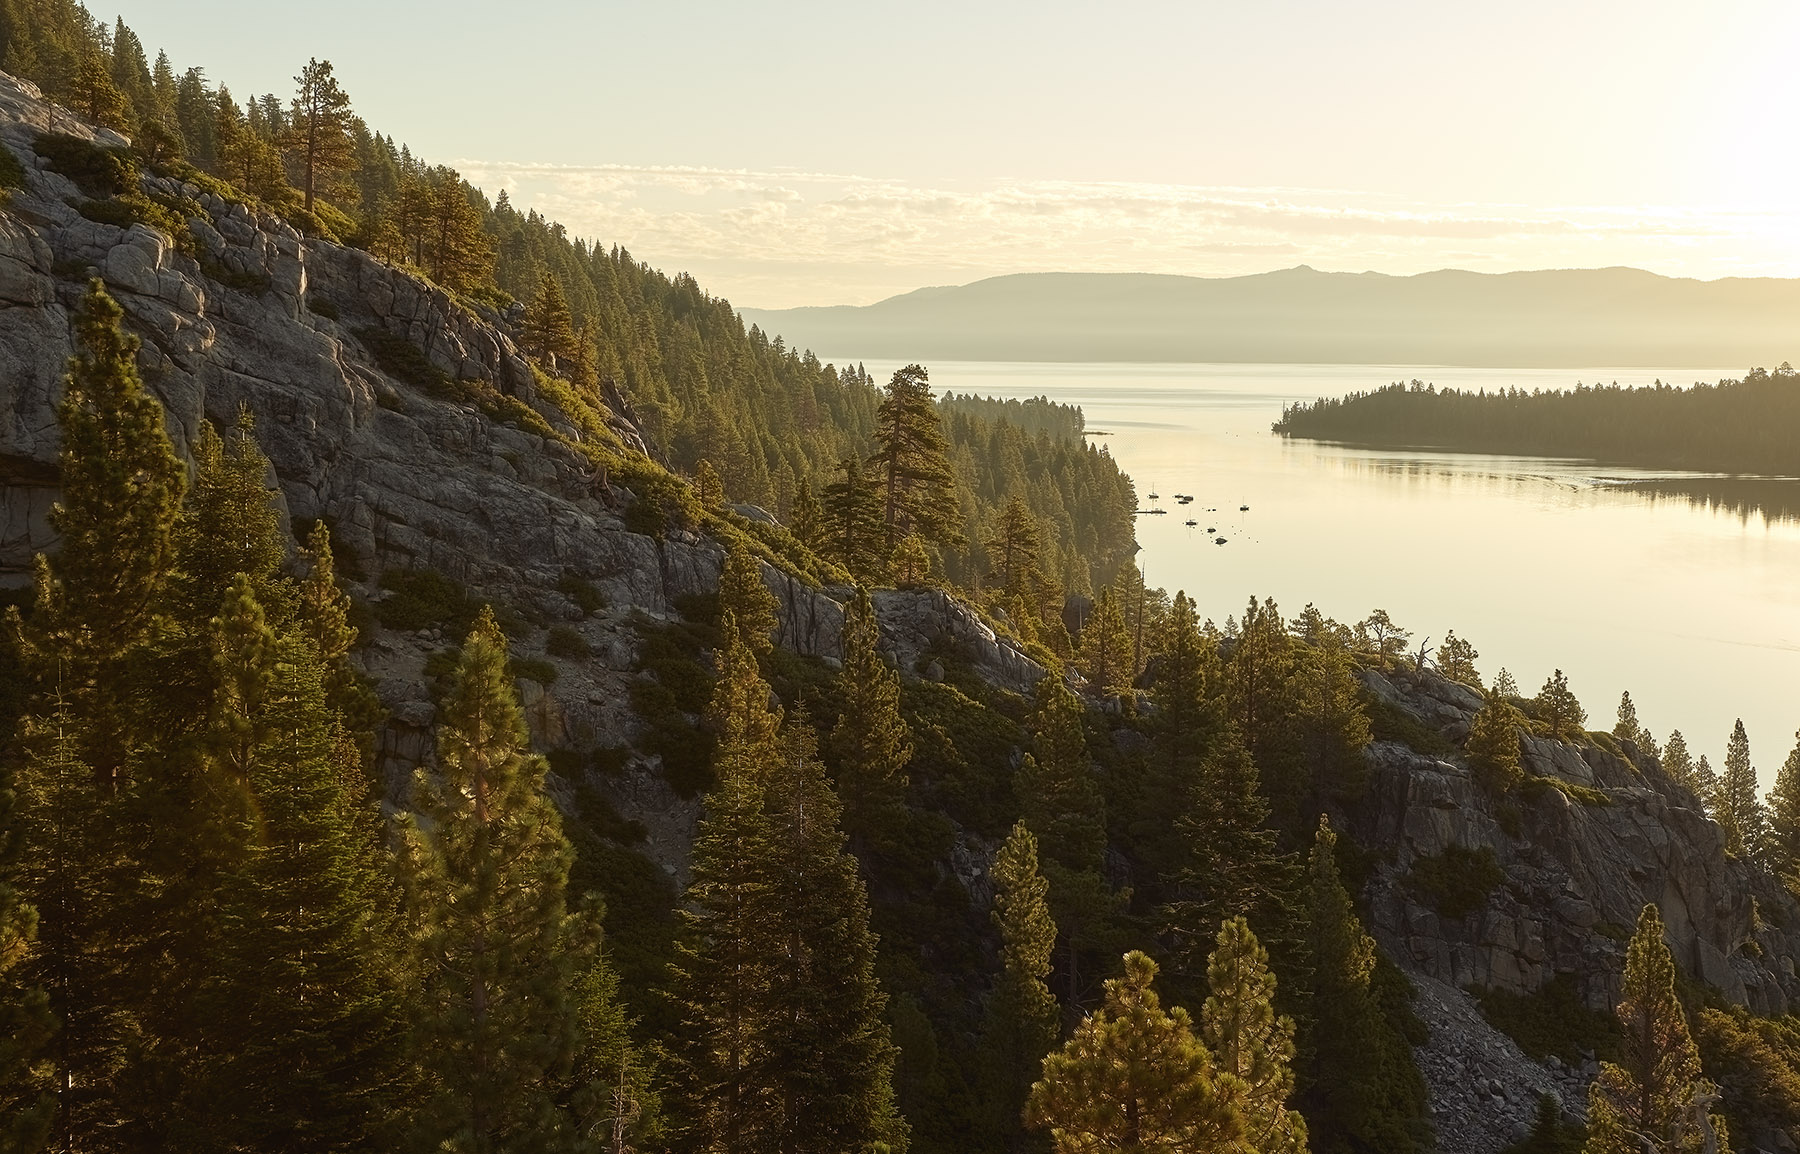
x,y
1534,787
1552,1020
1458,881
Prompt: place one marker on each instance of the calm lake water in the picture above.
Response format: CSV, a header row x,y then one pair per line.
x,y
1682,588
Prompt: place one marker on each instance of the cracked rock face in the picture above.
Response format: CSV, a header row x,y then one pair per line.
x,y
244,311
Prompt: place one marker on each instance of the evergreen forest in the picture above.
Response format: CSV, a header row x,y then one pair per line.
x,y
1749,425
1121,911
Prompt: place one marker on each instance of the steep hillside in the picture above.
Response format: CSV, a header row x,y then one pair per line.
x,y
456,472
1560,319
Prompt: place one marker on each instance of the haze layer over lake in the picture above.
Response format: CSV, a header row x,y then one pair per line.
x,y
1682,588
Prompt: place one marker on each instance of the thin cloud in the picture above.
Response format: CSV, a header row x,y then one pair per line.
x,y
786,237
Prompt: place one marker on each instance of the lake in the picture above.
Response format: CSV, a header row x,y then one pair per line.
x,y
1682,588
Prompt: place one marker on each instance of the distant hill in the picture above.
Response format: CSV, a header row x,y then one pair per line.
x,y
1569,318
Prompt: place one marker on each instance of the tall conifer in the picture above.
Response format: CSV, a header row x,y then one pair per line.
x,y
1105,657
871,743
918,487
743,595
1654,1095
1022,1015
1784,820
1251,1042
487,867
1740,812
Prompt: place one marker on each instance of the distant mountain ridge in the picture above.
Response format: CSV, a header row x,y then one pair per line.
x,y
1562,318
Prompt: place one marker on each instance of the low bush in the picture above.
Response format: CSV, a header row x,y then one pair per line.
x,y
425,599
1388,722
533,669
12,172
1553,1019
587,596
1458,881
96,171
566,642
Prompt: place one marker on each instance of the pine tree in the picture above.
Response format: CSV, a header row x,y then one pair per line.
x,y
911,562
806,518
1134,1078
1626,727
230,525
1706,786
1382,636
1062,805
1505,687
1105,657
825,1055
709,490
1231,865
1558,711
1333,728
122,486
1493,745
726,956
1363,1090
1654,1095
322,616
27,1098
743,595
1014,548
784,1047
852,533
1249,1041
1259,687
1456,660
548,327
93,94
302,1022
1784,820
1022,1014
1676,761
487,867
319,138
1740,812
871,744
918,487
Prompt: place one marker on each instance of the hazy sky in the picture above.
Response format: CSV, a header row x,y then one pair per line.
x,y
801,153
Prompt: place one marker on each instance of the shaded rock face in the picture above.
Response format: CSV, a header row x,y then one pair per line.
x,y
1570,871
1574,870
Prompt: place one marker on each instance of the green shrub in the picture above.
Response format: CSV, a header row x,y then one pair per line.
x,y
533,669
587,596
96,171
1552,1019
12,172
425,599
1534,787
1388,722
566,642
404,361
321,306
170,214
1550,1134
1458,881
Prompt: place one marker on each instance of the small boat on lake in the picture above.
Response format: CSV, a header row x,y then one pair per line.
x,y
1218,540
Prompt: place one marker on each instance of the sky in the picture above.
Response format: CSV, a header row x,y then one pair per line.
x,y
792,153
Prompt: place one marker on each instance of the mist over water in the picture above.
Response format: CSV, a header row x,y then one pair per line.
x,y
1682,588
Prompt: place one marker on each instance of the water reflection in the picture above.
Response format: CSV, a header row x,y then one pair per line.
x,y
1677,586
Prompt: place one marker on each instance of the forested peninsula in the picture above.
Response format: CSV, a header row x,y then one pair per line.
x,y
1746,426
463,690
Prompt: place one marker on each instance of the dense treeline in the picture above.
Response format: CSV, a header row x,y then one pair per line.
x,y
1750,425
773,425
